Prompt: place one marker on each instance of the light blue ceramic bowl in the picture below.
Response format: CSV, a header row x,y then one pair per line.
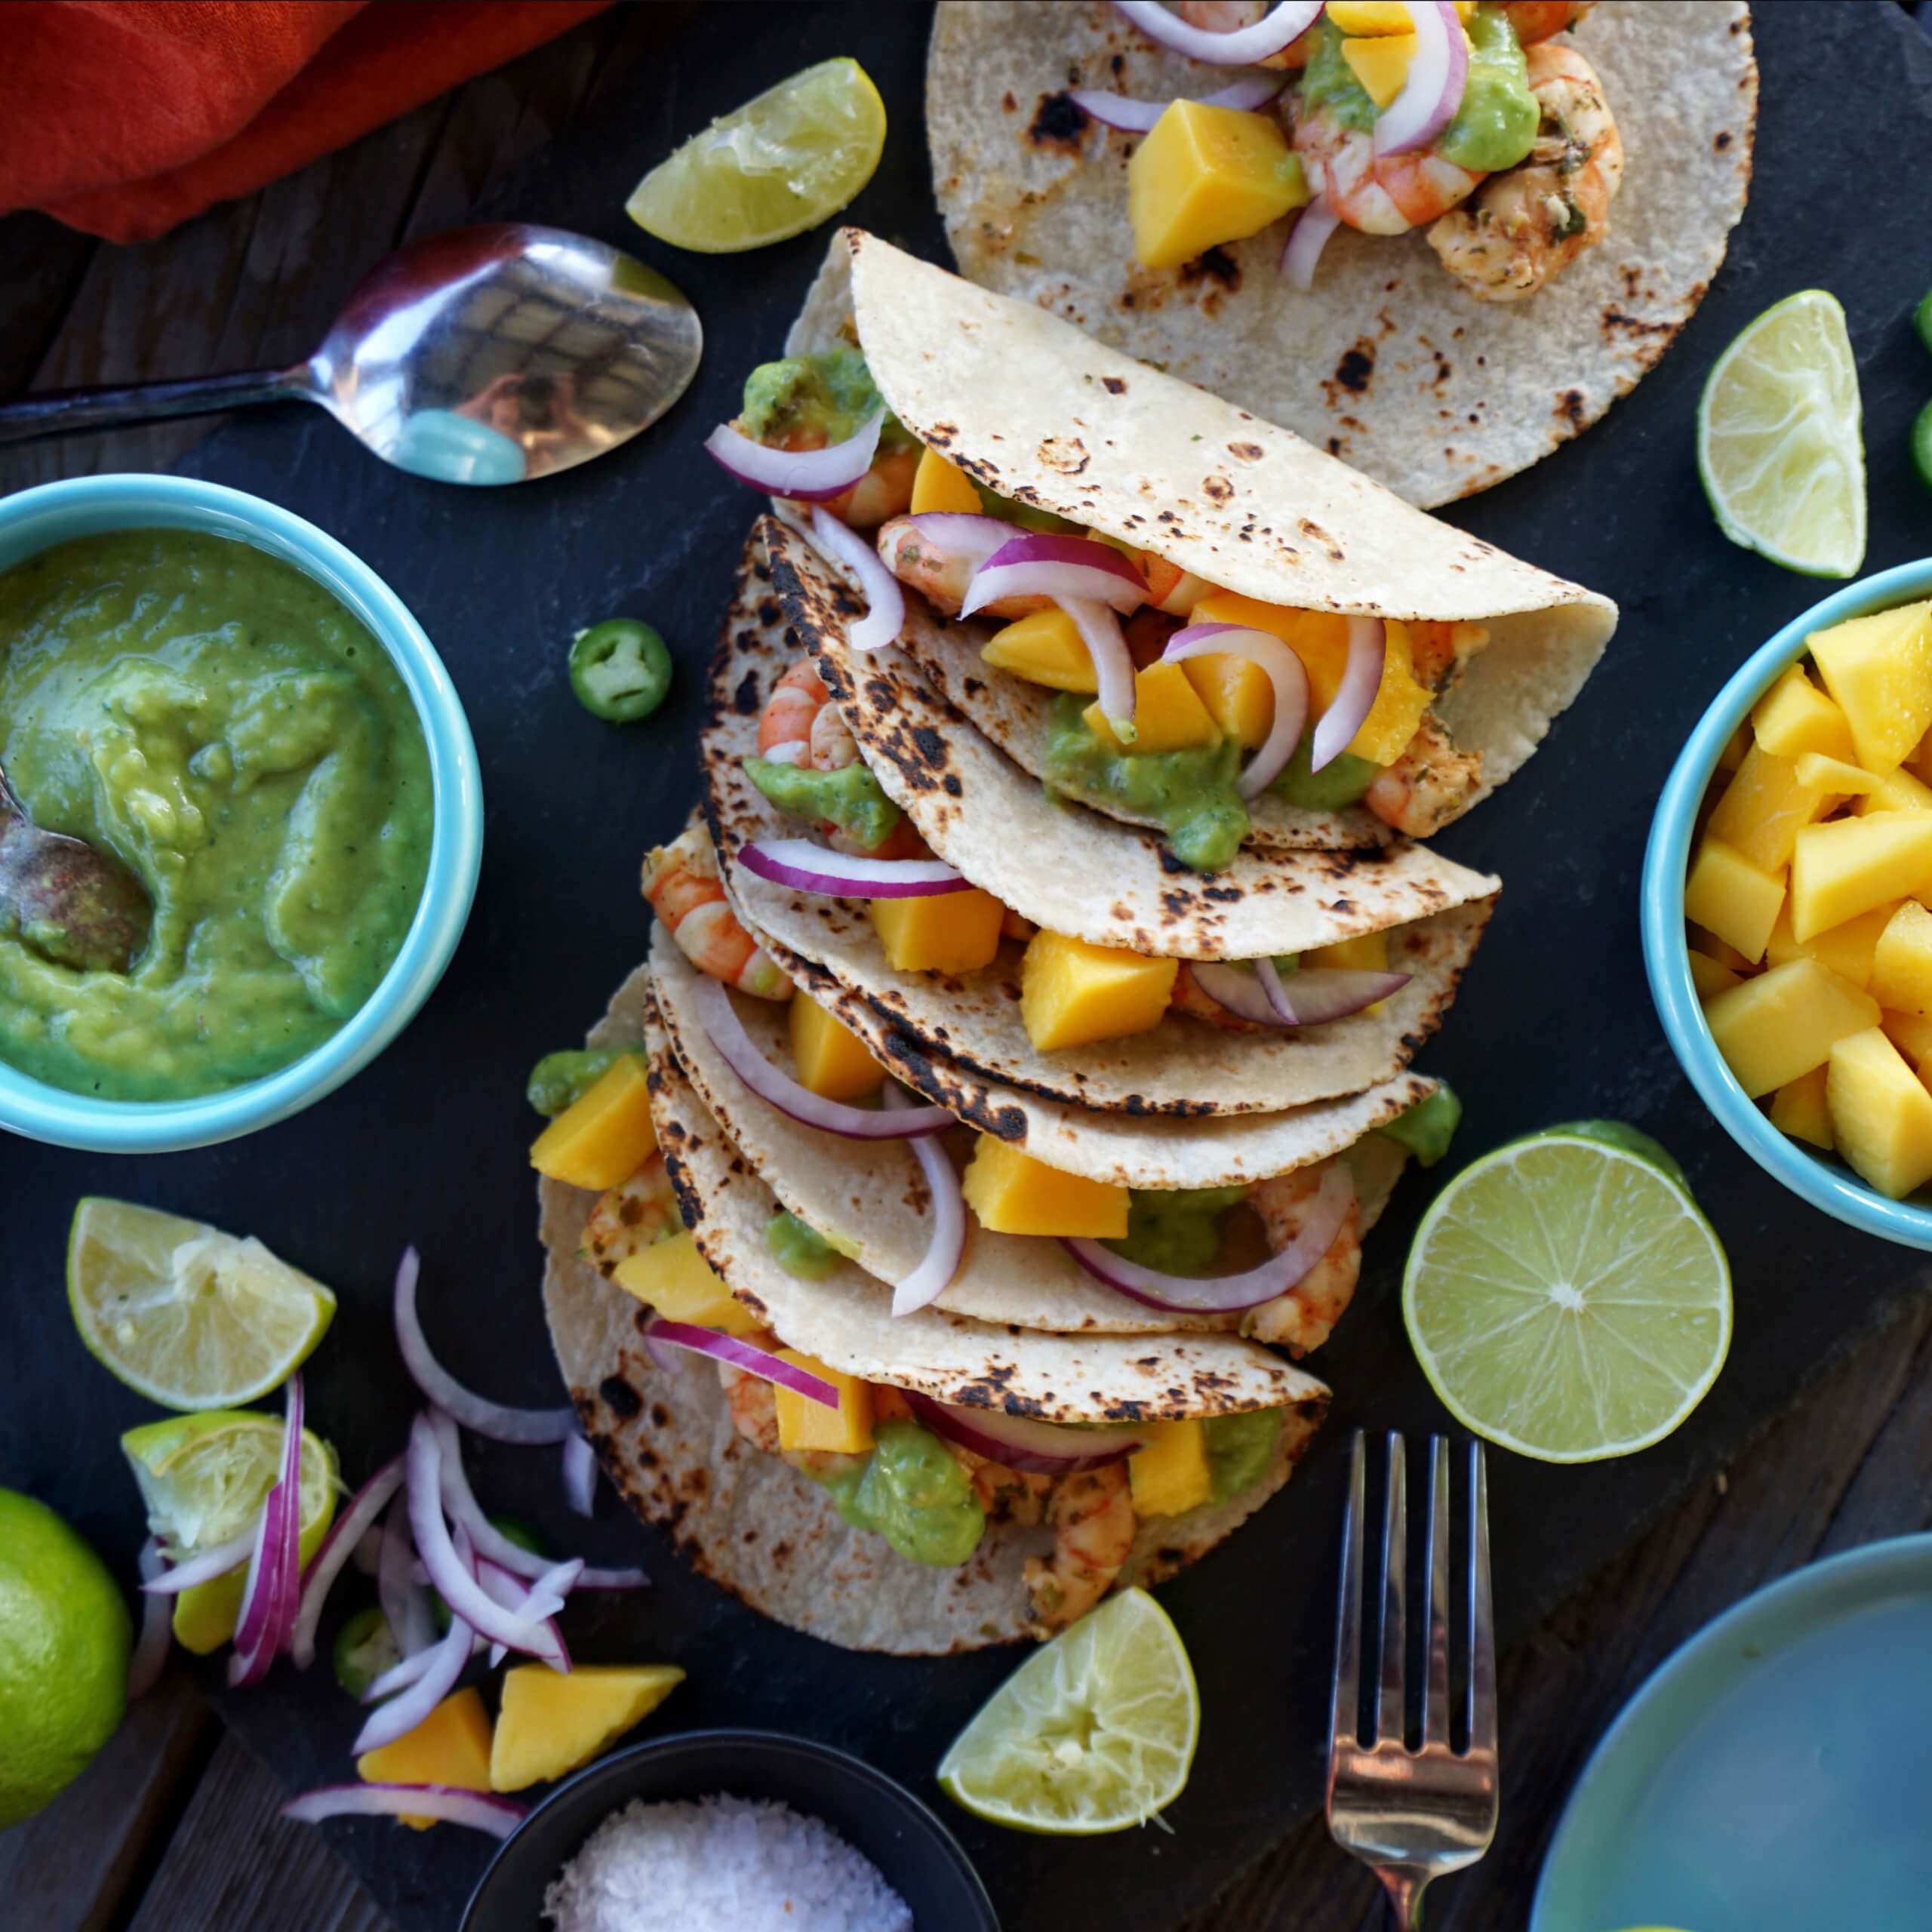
x,y
35,519
1824,1182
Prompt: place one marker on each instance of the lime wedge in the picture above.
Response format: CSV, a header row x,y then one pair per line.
x,y
778,166
190,1316
1921,445
1565,1296
1921,319
1094,1732
204,1479
1778,441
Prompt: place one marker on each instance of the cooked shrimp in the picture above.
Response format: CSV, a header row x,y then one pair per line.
x,y
800,725
1230,16
681,881
1537,19
1018,1495
636,1214
1380,195
754,1408
1440,652
1430,782
941,576
1303,1318
1092,1514
1530,221
884,490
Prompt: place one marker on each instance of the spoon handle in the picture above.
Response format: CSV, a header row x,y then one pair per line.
x,y
64,412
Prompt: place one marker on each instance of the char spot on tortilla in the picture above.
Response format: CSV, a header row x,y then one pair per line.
x,y
1114,385
1216,488
1247,453
745,699
1356,370
1059,121
769,611
660,1416
1008,103
1569,407
1216,264
953,788
620,1399
1066,455
932,746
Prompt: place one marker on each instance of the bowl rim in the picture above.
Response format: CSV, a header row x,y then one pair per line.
x,y
77,506
780,1743
1824,1183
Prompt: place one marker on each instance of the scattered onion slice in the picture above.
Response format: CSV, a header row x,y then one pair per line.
x,y
202,1569
886,617
405,1602
1242,47
1270,997
1222,1294
1355,696
1137,117
1113,664
1241,993
1020,1442
1317,221
1286,672
485,1418
275,1570
726,1032
946,1244
806,476
1037,564
401,1714
149,1657
537,1600
400,1676
963,534
579,1476
345,1535
805,865
480,1811
1432,89
754,1360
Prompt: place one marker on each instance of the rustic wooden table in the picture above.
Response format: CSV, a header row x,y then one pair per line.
x,y
174,1829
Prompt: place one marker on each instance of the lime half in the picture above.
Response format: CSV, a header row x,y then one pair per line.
x,y
778,166
1779,446
1566,1298
191,1317
1094,1732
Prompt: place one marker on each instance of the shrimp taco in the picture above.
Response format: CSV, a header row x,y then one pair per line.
x,y
1435,240
926,1484
1154,603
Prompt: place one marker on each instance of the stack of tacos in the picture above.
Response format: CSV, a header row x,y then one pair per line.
x,y
1015,1140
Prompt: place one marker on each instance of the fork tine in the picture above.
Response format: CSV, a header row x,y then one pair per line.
x,y
1388,1716
1482,1622
1435,1695
1345,1700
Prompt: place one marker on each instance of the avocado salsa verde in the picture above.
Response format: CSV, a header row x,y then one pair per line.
x,y
221,723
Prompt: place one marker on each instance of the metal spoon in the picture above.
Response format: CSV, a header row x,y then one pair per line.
x,y
484,355
69,902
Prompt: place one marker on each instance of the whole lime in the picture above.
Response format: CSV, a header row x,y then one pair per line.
x,y
64,1640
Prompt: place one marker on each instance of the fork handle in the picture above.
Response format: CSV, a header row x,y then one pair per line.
x,y
1404,1890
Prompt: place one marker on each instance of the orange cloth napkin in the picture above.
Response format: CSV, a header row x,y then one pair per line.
x,y
123,117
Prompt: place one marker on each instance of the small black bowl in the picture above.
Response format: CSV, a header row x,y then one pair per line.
x,y
920,1859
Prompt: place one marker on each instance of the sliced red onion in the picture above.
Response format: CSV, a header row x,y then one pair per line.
x,y
886,617
1240,48
1432,89
400,1676
275,1568
1316,221
754,1360
345,1535
579,1476
486,1418
964,533
806,476
202,1569
481,1810
401,1714
538,1601
726,1032
1241,993
1355,696
1222,1294
1137,117
1270,997
1286,672
946,1244
1039,564
805,865
1020,1442
1113,663
405,1601
150,1653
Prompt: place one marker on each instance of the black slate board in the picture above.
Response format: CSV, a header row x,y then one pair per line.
x,y
428,1145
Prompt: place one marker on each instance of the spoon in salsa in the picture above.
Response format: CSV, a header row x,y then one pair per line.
x,y
69,902
492,354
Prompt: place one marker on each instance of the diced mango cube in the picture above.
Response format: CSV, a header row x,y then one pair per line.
x,y
1881,1113
1168,715
1072,993
1902,964
1879,669
1762,809
1204,175
1013,1194
452,1746
1798,1109
1846,949
1795,717
1368,952
1711,976
1847,865
1170,1474
946,932
805,1424
605,1135
1725,955
551,1722
1044,647
1831,777
1383,16
939,484
1737,745
1772,1029
1400,702
830,1058
1912,1034
1920,763
1381,63
1897,791
1725,892
677,1281
1239,694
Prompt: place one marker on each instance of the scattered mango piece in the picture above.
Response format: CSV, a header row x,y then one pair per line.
x,y
1171,1473
677,1281
1381,63
831,1059
1072,993
1012,1194
605,1136
1044,647
1773,1028
1383,16
805,1424
552,1721
1367,952
1881,1113
1168,714
948,932
452,1746
1239,696
939,484
1204,175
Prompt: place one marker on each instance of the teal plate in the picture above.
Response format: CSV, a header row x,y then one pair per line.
x,y
1775,1775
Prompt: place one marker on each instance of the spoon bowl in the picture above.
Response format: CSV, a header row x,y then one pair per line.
x,y
72,904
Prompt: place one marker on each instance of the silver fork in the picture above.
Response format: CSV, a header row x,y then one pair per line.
x,y
1410,1816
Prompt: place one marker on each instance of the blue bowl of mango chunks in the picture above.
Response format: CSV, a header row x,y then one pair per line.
x,y
36,520
1822,1179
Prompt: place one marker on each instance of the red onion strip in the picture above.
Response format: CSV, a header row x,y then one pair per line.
x,y
946,1244
1432,89
760,1362
150,1653
1355,696
579,1476
1286,672
1243,993
268,1603
1113,666
1039,565
805,865
963,534
203,1568
345,1534
806,476
405,1602
1021,1442
1306,240
886,617
538,1601
400,1676
402,1713
1285,24
1137,117
480,1809
1322,993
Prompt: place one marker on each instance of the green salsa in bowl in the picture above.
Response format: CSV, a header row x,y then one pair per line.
x,y
225,699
